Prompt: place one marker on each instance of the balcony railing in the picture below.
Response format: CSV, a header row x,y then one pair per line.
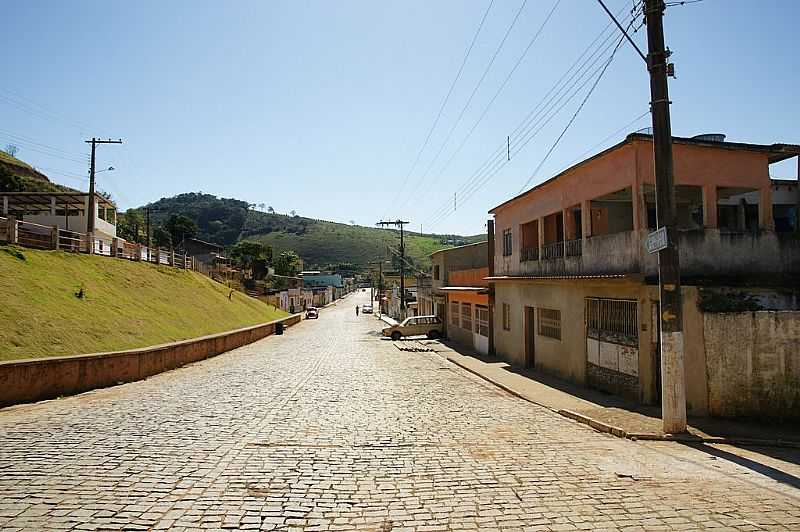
x,y
553,251
573,248
529,254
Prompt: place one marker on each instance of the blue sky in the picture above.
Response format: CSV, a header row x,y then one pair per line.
x,y
322,107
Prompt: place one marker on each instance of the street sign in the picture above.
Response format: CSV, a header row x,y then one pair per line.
x,y
657,240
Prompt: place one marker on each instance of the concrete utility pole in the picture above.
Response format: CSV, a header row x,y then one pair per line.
x,y
90,215
400,223
380,282
673,380
147,226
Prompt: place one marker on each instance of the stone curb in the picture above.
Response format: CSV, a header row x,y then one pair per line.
x,y
601,426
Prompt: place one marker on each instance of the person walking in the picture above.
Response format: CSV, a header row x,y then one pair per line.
x,y
356,310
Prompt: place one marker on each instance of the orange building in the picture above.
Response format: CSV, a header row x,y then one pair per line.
x,y
575,292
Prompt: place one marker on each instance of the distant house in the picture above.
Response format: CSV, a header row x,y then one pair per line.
x,y
66,210
205,252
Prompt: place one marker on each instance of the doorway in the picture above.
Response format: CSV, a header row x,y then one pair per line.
x,y
530,337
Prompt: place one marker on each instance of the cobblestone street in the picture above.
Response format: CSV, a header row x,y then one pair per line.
x,y
330,427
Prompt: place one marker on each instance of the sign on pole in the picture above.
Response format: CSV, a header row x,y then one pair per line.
x,y
657,240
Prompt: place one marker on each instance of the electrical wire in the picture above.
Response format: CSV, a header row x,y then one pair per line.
x,y
429,183
472,94
551,99
574,116
444,102
601,71
494,164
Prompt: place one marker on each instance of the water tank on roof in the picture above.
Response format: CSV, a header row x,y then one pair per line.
x,y
710,137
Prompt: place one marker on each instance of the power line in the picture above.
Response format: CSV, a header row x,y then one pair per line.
x,y
550,100
29,106
471,96
574,116
498,165
483,114
444,102
494,164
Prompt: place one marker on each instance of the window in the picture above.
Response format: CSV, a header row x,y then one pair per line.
x,y
612,319
454,313
482,320
506,317
466,316
507,242
549,323
436,272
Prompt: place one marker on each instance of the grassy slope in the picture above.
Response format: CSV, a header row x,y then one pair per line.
x,y
127,305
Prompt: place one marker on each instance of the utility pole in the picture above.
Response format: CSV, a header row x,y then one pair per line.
x,y
147,228
90,215
400,223
673,380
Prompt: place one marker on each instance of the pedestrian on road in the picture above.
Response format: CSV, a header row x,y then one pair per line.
x,y
356,310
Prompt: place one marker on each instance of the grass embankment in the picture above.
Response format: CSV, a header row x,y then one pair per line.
x,y
54,303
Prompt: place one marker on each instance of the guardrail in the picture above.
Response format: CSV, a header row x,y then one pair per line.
x,y
37,236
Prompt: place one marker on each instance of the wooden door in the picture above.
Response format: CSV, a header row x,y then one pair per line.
x,y
530,337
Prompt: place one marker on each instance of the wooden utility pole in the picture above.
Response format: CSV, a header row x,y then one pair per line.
x,y
400,223
673,380
147,226
90,215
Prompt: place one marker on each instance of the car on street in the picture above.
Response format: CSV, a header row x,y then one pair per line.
x,y
366,309
312,313
430,326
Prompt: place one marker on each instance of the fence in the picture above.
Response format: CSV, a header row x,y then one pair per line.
x,y
37,236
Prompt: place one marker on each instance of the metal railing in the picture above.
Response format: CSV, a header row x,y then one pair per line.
x,y
573,248
529,254
553,251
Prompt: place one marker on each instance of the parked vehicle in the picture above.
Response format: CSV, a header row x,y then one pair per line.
x,y
366,309
312,313
430,326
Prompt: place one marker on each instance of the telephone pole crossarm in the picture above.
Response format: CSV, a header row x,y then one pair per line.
x,y
400,223
91,215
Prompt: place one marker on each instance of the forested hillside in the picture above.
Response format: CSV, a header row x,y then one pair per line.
x,y
318,242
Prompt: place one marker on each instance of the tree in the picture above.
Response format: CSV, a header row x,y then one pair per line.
x,y
179,228
246,253
12,149
287,263
270,210
9,182
293,213
161,237
261,206
130,226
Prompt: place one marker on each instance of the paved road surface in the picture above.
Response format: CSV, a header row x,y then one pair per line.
x,y
331,428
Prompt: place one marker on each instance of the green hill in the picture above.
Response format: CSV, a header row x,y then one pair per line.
x,y
55,303
318,242
28,179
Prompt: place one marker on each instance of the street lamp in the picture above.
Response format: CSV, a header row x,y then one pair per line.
x,y
109,169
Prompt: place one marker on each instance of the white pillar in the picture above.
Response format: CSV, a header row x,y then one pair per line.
x,y
52,205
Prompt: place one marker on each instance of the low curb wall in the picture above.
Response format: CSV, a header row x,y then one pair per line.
x,y
29,380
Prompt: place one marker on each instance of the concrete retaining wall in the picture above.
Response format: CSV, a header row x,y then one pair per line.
x,y
753,364
24,381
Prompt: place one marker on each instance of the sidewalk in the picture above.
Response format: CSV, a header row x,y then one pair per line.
x,y
608,413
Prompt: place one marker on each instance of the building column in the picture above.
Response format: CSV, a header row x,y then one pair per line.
x,y
569,224
710,206
5,205
636,204
540,228
765,219
586,219
52,205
